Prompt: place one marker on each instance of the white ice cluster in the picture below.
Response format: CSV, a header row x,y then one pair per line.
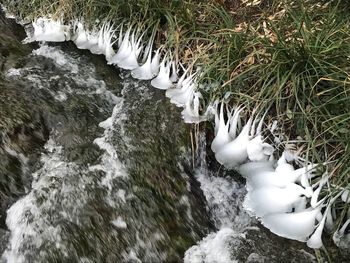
x,y
280,195
234,145
133,53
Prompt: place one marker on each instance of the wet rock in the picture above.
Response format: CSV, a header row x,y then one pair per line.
x,y
31,109
259,245
22,131
153,143
4,236
11,48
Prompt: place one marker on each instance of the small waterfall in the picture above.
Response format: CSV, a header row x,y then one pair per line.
x,y
114,181
224,198
238,237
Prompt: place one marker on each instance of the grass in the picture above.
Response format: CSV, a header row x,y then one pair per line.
x,y
290,57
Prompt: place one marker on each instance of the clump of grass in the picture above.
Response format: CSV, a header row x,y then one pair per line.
x,y
291,57
296,64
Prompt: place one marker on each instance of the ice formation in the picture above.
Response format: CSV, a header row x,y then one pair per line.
x,y
46,29
283,197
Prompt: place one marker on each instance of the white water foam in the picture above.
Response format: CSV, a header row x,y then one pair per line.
x,y
29,219
57,55
119,223
224,199
110,163
60,189
36,219
13,72
75,68
114,171
215,248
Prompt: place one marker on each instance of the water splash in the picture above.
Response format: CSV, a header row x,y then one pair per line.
x,y
31,220
224,198
214,248
57,55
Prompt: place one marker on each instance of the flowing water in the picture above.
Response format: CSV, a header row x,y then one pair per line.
x,y
111,181
98,167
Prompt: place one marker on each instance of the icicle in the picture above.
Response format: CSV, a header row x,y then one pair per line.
x,y
191,112
180,96
212,111
38,26
315,241
217,119
138,44
107,43
222,137
93,39
283,166
259,128
162,80
120,38
265,179
338,235
81,40
173,76
183,78
252,130
307,173
147,50
124,49
234,122
329,220
155,63
181,87
235,153
298,226
101,41
73,25
180,99
300,205
145,71
130,61
316,193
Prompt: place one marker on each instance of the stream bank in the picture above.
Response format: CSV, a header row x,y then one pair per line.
x,y
101,169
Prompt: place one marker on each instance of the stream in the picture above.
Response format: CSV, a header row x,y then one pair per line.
x,y
98,167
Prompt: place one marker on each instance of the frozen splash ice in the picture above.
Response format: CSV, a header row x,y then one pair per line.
x,y
238,238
